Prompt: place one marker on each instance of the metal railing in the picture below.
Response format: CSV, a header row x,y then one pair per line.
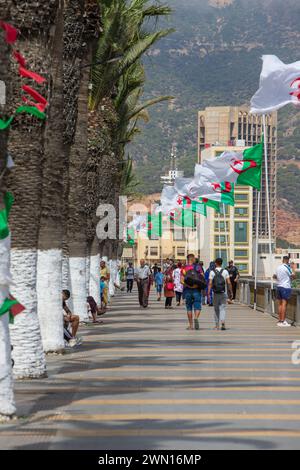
x,y
264,298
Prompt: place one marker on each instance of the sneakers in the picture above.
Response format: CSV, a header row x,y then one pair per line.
x,y
223,327
72,342
283,323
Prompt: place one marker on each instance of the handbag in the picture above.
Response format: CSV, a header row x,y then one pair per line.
x,y
170,285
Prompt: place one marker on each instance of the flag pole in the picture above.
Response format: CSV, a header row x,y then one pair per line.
x,y
268,205
226,236
256,249
219,221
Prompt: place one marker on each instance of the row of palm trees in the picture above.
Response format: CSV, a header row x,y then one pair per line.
x,y
90,52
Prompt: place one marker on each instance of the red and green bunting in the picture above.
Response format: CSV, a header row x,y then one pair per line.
x,y
12,307
4,214
130,236
34,108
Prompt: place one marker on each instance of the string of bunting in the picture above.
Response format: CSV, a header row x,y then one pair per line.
x,y
34,108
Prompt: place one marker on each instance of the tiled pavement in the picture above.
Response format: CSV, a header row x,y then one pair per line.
x,y
142,381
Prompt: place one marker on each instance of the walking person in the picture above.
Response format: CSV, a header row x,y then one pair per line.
x,y
209,298
219,279
159,282
193,282
129,277
142,275
234,277
285,273
178,283
169,289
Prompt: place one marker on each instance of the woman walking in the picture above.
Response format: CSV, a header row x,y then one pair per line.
x,y
169,289
178,283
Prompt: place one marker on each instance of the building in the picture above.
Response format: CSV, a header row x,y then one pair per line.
x,y
229,235
234,126
173,172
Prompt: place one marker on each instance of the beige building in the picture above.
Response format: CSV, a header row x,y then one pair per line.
x,y
229,236
234,126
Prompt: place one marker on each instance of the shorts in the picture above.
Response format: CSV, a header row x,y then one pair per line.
x,y
193,299
284,293
159,288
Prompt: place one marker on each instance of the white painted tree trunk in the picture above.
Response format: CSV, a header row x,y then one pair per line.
x,y
113,268
49,287
26,337
94,287
88,274
7,403
65,272
78,286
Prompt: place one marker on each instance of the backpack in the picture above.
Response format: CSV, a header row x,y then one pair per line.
x,y
194,278
219,282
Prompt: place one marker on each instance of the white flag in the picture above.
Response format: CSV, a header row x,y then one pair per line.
x,y
139,223
279,86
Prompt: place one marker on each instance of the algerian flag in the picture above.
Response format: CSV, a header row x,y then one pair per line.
x,y
214,204
279,85
201,187
183,218
197,206
4,214
139,223
242,168
170,200
154,225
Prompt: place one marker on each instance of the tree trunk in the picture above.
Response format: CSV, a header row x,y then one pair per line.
x,y
26,147
7,404
94,284
77,217
49,267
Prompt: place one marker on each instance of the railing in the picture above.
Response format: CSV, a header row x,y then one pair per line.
x,y
264,299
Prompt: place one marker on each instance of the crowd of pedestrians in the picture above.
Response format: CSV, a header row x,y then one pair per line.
x,y
187,283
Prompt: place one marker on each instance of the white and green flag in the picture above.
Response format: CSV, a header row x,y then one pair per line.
x,y
202,187
243,168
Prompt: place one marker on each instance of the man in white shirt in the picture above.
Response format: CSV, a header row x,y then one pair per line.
x,y
284,275
218,280
142,276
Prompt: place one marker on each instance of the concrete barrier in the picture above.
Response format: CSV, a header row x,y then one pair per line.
x,y
245,295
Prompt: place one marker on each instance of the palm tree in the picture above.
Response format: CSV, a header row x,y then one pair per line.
x,y
7,404
35,20
117,83
77,173
49,264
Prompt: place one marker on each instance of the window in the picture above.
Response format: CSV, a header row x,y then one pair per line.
x,y
241,232
181,251
226,209
241,211
242,267
240,197
220,239
153,251
222,254
221,226
241,253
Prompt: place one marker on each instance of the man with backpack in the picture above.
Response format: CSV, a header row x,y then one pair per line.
x,y
219,279
194,282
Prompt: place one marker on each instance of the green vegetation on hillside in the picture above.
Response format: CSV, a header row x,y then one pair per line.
x,y
214,58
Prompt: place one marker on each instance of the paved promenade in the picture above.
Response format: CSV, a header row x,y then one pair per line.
x,y
142,381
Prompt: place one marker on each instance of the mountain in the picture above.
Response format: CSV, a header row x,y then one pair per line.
x,y
213,58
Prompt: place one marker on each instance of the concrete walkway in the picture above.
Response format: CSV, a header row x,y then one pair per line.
x,y
142,381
